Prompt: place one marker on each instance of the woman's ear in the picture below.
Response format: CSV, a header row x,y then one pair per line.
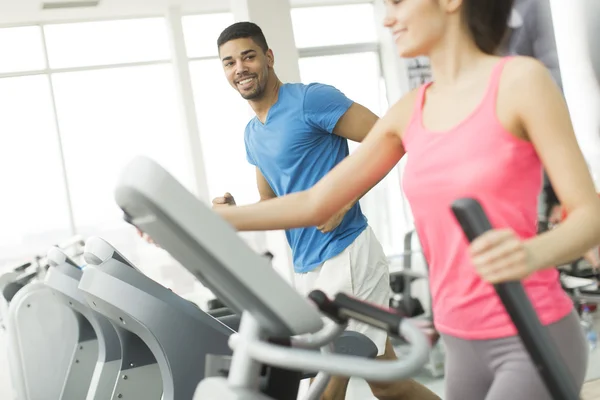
x,y
451,6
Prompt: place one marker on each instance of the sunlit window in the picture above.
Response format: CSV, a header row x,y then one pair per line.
x,y
106,118
33,212
107,42
334,25
222,118
357,75
21,49
201,33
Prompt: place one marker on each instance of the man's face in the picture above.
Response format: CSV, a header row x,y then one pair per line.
x,y
246,66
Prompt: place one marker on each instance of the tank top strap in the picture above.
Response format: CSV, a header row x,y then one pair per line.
x,y
494,84
420,100
415,118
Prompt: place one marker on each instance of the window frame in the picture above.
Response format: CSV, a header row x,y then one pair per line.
x,y
50,72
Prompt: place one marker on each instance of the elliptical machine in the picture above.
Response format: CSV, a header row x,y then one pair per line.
x,y
42,336
156,203
279,327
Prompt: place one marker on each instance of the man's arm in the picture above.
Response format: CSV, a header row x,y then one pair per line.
x,y
330,110
356,123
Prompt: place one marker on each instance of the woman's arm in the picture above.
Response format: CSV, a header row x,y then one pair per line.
x,y
376,156
545,118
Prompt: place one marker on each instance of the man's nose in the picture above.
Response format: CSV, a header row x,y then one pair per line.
x,y
240,68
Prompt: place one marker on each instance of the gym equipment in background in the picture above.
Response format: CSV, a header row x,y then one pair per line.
x,y
402,300
277,382
32,270
580,281
40,358
177,333
95,364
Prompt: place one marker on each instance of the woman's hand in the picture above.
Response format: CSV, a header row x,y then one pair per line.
x,y
500,256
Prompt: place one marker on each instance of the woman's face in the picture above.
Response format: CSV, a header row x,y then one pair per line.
x,y
416,25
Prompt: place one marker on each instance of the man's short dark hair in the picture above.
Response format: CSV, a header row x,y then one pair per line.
x,y
243,30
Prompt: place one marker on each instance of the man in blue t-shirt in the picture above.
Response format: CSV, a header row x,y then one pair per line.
x,y
298,135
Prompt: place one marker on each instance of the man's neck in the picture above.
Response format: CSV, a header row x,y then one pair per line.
x,y
262,106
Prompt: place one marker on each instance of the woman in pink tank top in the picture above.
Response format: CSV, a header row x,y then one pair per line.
x,y
484,128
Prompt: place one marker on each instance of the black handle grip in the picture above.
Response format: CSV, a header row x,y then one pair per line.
x,y
344,307
327,306
22,267
25,279
535,337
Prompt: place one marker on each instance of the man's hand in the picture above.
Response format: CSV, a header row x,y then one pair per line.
x,y
555,215
146,237
334,221
593,258
224,201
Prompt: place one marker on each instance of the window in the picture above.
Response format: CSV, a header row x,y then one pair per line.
x,y
107,42
202,31
357,75
34,210
222,117
22,49
106,118
334,25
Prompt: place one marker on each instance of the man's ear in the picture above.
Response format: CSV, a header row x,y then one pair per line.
x,y
270,58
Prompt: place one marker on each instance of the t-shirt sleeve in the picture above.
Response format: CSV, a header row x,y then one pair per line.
x,y
324,105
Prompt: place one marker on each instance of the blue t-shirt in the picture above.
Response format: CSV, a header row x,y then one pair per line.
x,y
294,149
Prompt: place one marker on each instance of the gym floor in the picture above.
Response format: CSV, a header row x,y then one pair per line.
x,y
591,390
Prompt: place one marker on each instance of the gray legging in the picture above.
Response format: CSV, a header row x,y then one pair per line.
x,y
500,369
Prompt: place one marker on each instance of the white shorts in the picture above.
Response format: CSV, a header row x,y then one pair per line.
x,y
361,270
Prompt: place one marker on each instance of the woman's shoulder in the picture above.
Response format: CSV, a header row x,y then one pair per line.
x,y
407,105
523,70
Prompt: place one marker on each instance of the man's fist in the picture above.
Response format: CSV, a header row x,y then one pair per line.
x,y
225,200
146,237
333,222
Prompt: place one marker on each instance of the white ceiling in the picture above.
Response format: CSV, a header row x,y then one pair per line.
x,y
18,12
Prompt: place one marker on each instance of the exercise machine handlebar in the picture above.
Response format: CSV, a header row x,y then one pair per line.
x,y
474,222
347,365
343,307
57,256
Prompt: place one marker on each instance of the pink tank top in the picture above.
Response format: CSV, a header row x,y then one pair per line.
x,y
477,158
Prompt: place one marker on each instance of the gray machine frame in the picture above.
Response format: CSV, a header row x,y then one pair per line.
x,y
208,247
63,278
43,336
177,333
140,375
142,196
